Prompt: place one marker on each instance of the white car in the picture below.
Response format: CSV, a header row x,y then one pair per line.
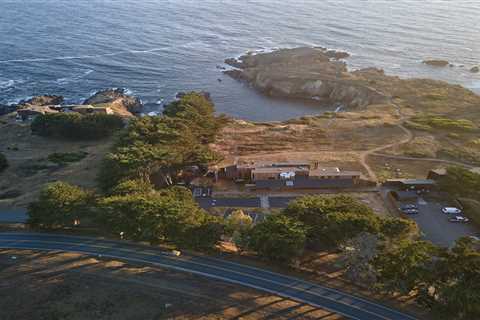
x,y
459,219
451,210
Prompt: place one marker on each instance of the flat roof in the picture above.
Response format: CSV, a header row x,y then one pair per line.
x,y
279,169
333,172
414,181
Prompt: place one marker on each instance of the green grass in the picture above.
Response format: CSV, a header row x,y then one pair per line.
x,y
471,209
69,157
443,123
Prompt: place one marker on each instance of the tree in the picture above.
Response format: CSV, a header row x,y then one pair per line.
x,y
75,126
461,182
406,267
3,162
398,228
457,282
197,110
238,221
157,147
278,238
330,220
132,186
59,205
168,215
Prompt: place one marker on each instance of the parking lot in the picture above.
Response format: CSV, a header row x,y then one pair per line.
x,y
434,224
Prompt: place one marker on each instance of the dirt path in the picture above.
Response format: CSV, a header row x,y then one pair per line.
x,y
423,159
365,154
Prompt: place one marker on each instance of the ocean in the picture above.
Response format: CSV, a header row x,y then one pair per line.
x,y
156,48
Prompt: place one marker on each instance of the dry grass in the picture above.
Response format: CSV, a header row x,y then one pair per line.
x,y
30,168
40,285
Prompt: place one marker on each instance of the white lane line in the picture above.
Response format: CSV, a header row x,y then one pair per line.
x,y
197,273
293,286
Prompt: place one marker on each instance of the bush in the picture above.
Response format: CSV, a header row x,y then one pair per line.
x,y
471,209
74,126
440,122
278,238
64,158
3,162
58,206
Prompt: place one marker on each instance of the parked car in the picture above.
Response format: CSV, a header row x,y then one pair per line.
x,y
474,238
411,211
459,219
451,210
409,207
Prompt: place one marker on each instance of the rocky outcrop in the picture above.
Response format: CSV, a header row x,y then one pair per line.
x,y
45,100
475,70
436,63
117,100
307,73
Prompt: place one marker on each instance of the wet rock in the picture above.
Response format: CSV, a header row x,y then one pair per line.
x,y
117,100
475,69
436,63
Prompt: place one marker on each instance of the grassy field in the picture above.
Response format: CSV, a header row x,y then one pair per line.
x,y
37,285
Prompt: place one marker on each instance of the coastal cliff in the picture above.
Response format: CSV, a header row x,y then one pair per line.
x,y
307,73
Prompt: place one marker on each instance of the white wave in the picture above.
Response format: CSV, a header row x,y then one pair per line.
x,y
160,102
128,92
10,83
82,56
74,78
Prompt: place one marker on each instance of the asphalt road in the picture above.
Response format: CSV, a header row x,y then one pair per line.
x,y
435,226
13,216
206,203
322,297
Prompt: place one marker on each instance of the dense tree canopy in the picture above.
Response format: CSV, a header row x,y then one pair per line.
x,y
331,220
158,148
168,215
59,205
278,238
75,126
461,182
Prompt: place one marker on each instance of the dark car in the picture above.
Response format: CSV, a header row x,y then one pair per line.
x,y
409,207
459,219
411,211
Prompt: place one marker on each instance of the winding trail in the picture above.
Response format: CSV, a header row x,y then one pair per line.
x,y
409,137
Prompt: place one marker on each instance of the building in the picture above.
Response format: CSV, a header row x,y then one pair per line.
x,y
31,112
89,109
300,175
411,184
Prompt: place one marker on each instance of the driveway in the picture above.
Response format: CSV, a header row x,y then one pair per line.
x,y
435,227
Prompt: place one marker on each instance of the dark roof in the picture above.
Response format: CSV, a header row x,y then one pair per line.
x,y
404,195
305,184
414,182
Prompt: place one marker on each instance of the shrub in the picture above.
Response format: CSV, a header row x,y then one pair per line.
x,y
58,206
74,126
440,122
64,158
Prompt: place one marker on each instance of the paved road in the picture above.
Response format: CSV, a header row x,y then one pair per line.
x,y
206,203
329,299
435,226
13,216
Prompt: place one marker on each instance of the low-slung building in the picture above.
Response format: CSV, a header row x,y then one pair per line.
x,y
300,175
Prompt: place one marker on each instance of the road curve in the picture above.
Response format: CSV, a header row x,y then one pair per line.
x,y
322,297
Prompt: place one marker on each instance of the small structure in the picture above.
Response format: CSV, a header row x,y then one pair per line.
x,y
31,112
89,109
411,184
